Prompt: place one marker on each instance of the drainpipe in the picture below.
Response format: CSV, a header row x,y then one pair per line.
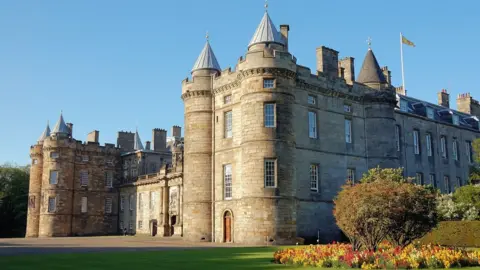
x,y
213,160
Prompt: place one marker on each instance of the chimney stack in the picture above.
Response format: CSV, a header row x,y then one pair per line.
x,y
327,62
347,65
147,145
444,98
284,28
159,139
387,74
93,136
176,131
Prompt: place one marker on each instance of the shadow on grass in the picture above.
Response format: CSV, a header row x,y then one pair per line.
x,y
210,258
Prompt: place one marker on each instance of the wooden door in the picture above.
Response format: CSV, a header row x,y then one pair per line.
x,y
228,228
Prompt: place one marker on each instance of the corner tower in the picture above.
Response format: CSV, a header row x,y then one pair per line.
x,y
197,179
371,74
35,185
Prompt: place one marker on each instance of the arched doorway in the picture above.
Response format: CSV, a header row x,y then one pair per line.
x,y
227,227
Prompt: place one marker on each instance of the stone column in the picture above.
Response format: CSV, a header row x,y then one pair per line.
x,y
180,205
166,227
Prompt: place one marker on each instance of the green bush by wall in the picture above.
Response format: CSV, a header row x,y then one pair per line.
x,y
454,233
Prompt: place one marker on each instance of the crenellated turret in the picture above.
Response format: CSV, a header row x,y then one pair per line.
x,y
197,98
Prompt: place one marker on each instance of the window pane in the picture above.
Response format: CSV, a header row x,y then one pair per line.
x,y
314,177
455,150
53,177
109,179
419,178
351,175
227,179
433,182
52,204
267,83
415,142
269,173
83,178
312,100
269,114
428,138
348,130
108,205
347,108
122,203
312,125
443,145
228,124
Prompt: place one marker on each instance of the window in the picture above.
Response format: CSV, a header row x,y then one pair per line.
x,y
268,83
314,177
130,225
109,179
52,204
54,154
459,182
312,100
430,113
134,172
455,120
348,131
110,162
153,200
122,203
468,151
397,137
84,158
269,114
416,143
53,177
403,105
433,182
455,149
153,167
140,201
347,108
140,224
125,174
443,146
312,125
121,225
351,175
131,202
227,99
108,205
83,178
35,161
227,181
446,181
228,124
419,178
84,205
269,172
428,139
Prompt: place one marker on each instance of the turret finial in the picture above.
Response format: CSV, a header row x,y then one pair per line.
x,y
266,5
369,42
207,36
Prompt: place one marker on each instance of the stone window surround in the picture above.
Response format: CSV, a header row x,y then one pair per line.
x,y
52,207
53,180
270,172
348,130
468,151
269,83
312,125
455,149
443,146
416,141
269,111
227,181
314,183
429,144
228,124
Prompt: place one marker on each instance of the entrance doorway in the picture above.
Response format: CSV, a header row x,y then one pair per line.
x,y
153,227
227,227
173,221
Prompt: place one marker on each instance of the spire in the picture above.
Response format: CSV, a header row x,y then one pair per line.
x,y
60,127
371,72
137,143
266,31
206,59
45,134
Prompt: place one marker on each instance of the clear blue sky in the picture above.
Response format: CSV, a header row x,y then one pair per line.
x,y
112,64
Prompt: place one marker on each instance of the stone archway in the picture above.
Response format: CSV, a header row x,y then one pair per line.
x,y
227,226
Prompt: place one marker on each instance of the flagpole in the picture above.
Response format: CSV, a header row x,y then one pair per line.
x,y
401,60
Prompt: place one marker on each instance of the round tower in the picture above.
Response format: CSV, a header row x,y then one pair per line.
x,y
266,211
35,185
197,173
57,185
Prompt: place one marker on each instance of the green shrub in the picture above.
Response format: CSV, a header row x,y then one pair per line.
x,y
454,233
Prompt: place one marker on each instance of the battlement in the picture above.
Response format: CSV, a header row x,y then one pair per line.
x,y
159,129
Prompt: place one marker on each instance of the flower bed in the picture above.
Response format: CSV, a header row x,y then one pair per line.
x,y
342,256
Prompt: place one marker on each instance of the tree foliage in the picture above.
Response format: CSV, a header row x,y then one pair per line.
x,y
385,205
13,200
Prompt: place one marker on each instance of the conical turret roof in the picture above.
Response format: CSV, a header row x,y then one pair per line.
x,y
206,59
60,127
137,144
266,32
45,134
371,72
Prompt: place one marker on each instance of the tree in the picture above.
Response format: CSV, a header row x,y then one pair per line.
x,y
385,205
468,194
475,169
13,200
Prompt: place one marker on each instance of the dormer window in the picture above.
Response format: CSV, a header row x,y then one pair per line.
x,y
268,83
455,120
403,105
430,113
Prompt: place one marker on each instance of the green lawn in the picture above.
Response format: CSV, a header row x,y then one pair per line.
x,y
212,258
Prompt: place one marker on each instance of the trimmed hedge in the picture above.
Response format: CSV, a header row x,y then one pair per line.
x,y
454,233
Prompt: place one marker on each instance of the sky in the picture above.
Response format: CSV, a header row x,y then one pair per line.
x,y
116,65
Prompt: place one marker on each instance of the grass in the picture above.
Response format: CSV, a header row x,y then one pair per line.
x,y
211,258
